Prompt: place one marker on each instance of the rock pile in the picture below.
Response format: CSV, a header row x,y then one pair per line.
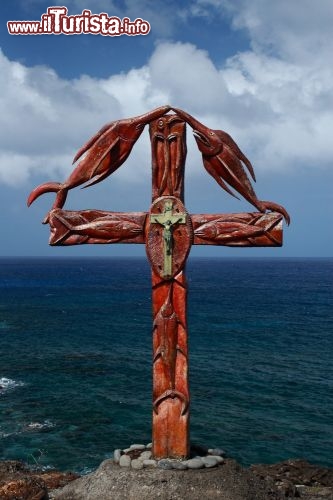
x,y
139,456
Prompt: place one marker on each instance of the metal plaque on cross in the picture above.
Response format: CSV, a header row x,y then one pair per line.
x,y
168,231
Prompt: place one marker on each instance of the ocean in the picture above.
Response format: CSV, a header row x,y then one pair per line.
x,y
76,358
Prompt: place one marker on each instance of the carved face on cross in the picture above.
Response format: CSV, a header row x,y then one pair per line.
x,y
168,232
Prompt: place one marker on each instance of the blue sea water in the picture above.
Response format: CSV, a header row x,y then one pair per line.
x,y
75,346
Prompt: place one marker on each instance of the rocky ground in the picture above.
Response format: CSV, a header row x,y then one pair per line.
x,y
19,482
298,478
290,479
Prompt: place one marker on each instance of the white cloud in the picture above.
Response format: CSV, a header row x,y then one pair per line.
x,y
17,168
43,116
283,85
290,108
188,77
297,31
294,30
275,99
32,97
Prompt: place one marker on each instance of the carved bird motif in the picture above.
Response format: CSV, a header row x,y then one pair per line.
x,y
105,152
224,161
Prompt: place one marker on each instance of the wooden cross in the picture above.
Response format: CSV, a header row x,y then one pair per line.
x,y
168,232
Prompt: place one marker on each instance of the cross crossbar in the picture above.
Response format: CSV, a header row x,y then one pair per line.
x,y
231,230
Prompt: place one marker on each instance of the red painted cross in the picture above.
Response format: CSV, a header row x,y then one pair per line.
x,y
168,232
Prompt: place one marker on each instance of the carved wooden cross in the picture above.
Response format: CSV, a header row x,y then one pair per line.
x,y
168,232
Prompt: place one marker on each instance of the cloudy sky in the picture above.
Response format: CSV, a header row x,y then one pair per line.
x,y
261,70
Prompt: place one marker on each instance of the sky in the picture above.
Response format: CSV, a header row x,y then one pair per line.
x,y
261,71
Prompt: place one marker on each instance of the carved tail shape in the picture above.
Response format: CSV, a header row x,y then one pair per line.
x,y
171,393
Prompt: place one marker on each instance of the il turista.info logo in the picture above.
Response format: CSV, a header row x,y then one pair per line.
x,y
57,22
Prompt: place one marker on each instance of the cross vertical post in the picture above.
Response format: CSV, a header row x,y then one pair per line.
x,y
168,242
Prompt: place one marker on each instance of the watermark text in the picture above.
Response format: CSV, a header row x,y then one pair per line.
x,y
57,22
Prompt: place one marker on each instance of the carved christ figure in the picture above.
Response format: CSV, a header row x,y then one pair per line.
x,y
168,231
